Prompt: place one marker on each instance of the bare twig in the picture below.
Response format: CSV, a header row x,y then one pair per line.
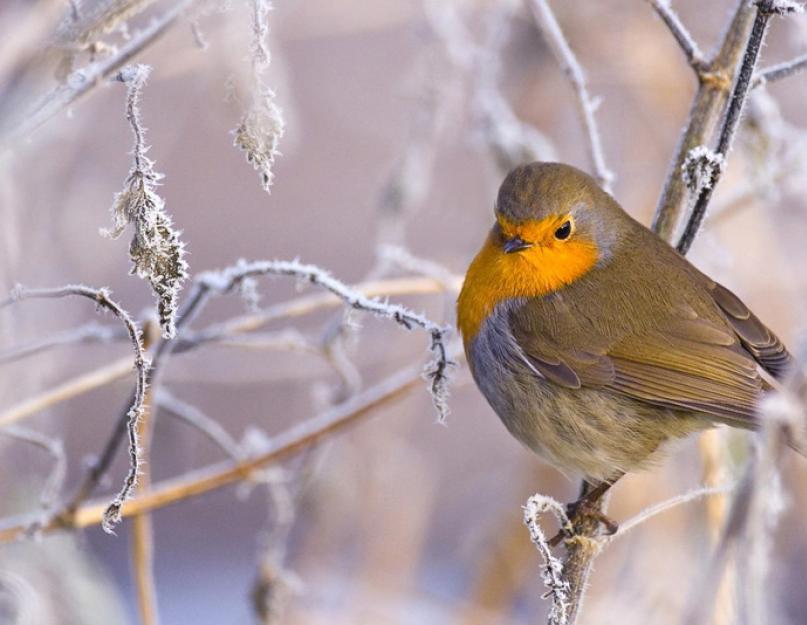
x,y
545,20
765,9
300,306
66,391
102,298
84,80
142,528
194,417
436,372
688,45
201,481
54,448
779,71
88,333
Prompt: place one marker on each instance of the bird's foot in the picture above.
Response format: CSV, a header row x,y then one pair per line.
x,y
579,511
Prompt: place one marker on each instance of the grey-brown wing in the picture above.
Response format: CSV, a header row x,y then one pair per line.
x,y
684,363
755,336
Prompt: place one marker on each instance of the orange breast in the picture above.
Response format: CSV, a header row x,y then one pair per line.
x,y
495,276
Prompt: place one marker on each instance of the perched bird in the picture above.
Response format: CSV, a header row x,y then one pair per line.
x,y
594,340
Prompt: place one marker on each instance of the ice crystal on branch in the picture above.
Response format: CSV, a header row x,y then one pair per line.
x,y
156,251
701,169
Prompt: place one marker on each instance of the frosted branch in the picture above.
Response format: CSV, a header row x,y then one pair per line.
x,y
779,71
546,22
558,587
156,251
436,372
687,44
103,300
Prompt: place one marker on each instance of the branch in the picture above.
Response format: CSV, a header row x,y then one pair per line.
x,y
558,587
55,449
685,41
436,371
84,80
300,306
779,71
704,114
199,482
765,9
135,411
194,417
88,333
546,22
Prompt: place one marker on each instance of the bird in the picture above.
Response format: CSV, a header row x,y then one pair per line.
x,y
595,341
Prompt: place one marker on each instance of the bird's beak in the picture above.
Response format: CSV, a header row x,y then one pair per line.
x,y
516,244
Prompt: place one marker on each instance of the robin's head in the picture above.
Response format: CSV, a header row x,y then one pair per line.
x,y
555,212
553,226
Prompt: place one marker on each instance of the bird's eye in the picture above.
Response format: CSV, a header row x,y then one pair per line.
x,y
564,231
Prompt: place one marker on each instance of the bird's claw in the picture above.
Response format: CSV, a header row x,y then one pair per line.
x,y
576,512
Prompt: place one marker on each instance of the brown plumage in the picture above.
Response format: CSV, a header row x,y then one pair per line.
x,y
593,339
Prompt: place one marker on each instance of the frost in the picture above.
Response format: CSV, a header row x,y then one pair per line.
x,y
552,572
700,170
261,127
156,251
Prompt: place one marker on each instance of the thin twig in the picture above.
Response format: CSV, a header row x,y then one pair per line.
x,y
436,372
194,417
54,448
297,307
779,71
88,333
688,45
103,300
84,80
201,481
545,20
68,390
142,528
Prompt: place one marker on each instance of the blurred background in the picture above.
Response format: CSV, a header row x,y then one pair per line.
x,y
398,115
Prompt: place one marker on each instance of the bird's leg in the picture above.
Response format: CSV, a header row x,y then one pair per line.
x,y
585,508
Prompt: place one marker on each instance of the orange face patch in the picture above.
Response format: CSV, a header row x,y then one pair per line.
x,y
549,265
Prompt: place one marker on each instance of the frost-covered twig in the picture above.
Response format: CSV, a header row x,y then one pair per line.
x,y
668,504
688,45
103,300
201,481
558,587
82,81
546,22
156,251
194,417
261,126
55,449
436,372
88,333
779,71
765,9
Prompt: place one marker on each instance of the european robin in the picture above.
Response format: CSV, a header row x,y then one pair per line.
x,y
593,339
